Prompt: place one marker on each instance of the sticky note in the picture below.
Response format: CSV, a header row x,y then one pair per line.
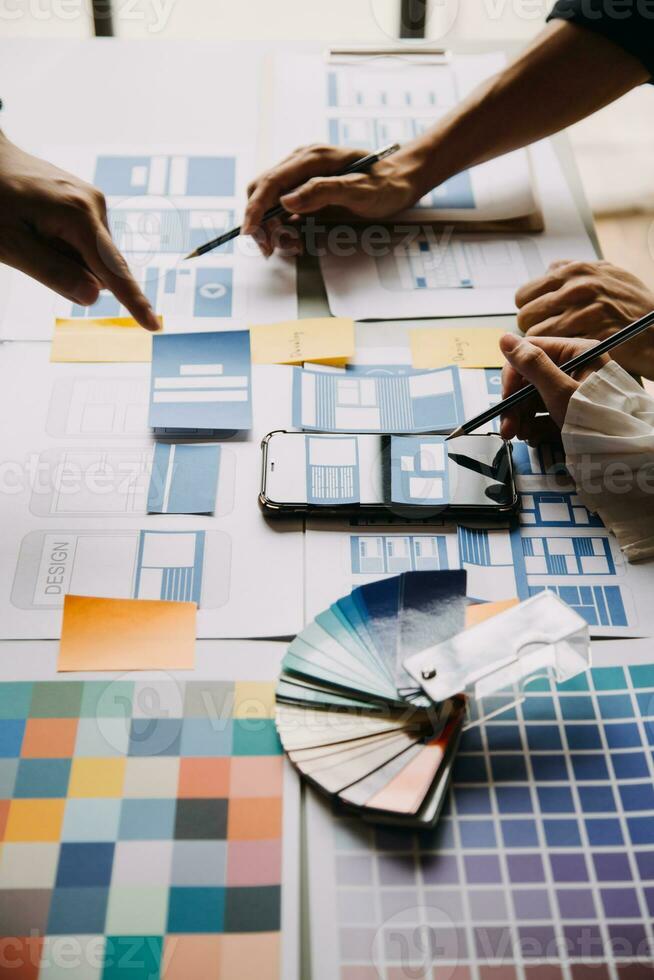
x,y
481,611
111,338
200,382
126,634
184,479
468,347
322,340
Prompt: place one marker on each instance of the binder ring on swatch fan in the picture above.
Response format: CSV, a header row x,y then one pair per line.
x,y
375,692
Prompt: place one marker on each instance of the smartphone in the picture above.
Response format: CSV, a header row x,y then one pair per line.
x,y
417,477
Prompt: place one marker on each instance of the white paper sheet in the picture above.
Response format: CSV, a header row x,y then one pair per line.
x,y
224,660
74,477
445,273
164,201
520,870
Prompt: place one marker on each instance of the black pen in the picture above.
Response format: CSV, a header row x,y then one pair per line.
x,y
359,166
621,337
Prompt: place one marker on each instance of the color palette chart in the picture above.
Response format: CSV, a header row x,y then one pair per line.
x,y
141,824
542,865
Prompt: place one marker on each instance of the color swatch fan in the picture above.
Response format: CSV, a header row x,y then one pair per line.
x,y
375,693
352,721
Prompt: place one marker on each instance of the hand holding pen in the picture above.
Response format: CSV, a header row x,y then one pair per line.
x,y
258,218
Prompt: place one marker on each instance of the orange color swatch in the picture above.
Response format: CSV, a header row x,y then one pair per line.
x,y
127,634
482,611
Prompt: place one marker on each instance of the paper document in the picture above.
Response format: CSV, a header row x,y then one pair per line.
x,y
541,863
101,339
352,402
201,382
76,518
126,634
437,272
378,100
184,479
323,340
582,564
163,202
467,347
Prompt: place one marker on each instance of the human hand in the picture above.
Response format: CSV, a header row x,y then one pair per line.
x,y
593,300
535,361
53,227
306,181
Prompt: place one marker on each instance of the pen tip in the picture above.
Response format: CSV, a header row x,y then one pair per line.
x,y
191,255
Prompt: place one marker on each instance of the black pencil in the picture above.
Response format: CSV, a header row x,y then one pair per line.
x,y
359,166
621,337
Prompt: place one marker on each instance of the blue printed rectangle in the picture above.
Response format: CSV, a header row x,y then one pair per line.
x,y
193,176
351,401
332,470
200,382
169,565
184,479
419,471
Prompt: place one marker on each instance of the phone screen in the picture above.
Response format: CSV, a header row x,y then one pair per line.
x,y
313,470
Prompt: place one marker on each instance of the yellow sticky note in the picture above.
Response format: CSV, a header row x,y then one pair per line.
x,y
110,338
323,340
469,347
127,634
481,611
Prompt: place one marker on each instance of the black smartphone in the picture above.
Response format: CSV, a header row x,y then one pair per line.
x,y
415,477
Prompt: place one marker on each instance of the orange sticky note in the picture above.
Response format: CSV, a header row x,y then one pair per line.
x,y
485,610
127,634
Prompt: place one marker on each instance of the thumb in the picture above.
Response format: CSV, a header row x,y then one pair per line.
x,y
532,363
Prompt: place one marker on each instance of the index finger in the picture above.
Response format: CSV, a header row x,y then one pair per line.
x,y
538,287
96,246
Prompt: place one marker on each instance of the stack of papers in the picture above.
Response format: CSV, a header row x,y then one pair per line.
x,y
368,102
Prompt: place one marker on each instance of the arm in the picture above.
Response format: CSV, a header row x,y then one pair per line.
x,y
566,74
53,227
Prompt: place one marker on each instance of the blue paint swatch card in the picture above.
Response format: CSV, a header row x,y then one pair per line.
x,y
419,471
350,401
184,479
201,382
332,466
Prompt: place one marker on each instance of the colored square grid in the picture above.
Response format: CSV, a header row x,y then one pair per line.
x,y
115,821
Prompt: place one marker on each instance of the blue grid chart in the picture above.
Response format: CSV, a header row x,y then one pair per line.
x,y
542,865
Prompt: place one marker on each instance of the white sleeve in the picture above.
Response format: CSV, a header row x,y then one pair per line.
x,y
608,436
